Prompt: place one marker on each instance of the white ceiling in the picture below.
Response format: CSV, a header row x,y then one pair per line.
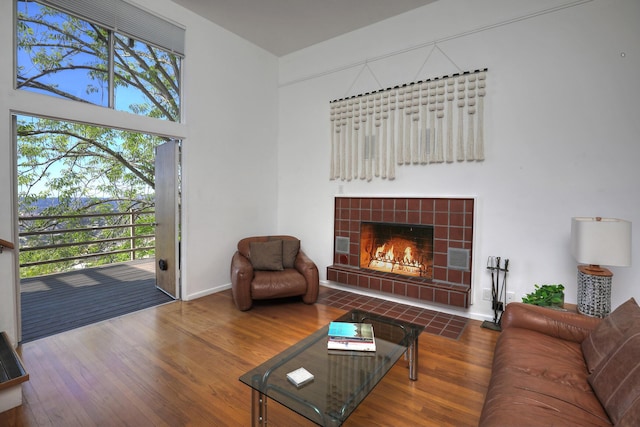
x,y
284,26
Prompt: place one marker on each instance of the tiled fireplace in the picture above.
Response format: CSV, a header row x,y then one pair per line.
x,y
417,248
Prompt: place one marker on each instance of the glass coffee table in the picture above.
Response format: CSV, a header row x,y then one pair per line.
x,y
342,379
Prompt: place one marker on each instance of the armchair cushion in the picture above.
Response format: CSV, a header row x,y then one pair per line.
x,y
278,284
290,249
266,255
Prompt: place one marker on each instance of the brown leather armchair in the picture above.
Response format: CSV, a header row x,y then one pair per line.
x,y
266,267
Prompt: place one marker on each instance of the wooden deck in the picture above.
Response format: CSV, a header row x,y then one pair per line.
x,y
59,302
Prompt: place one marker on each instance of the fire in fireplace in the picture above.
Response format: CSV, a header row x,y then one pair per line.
x,y
405,249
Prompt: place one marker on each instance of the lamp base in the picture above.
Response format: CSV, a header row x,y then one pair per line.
x,y
594,291
595,270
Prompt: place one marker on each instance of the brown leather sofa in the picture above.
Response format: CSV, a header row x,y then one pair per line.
x,y
558,368
266,267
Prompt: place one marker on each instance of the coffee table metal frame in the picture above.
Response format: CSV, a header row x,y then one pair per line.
x,y
342,379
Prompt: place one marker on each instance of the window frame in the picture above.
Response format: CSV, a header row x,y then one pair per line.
x,y
111,64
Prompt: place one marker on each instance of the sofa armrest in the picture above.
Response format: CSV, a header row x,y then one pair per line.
x,y
309,270
241,277
559,324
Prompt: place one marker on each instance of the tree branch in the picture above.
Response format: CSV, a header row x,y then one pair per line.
x,y
114,154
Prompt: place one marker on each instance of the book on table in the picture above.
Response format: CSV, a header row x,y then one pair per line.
x,y
351,336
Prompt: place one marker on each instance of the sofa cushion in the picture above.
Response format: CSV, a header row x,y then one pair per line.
x,y
607,334
616,379
266,255
290,250
555,323
539,380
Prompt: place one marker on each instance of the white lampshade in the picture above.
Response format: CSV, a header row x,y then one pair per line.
x,y
601,241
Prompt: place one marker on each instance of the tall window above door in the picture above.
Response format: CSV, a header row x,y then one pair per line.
x,y
107,53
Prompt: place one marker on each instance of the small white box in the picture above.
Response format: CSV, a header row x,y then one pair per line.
x,y
300,377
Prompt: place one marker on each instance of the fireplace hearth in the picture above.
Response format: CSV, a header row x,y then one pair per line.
x,y
416,248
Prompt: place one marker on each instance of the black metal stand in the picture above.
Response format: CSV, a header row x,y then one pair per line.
x,y
498,291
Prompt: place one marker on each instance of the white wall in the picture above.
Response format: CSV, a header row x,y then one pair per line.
x,y
561,128
229,154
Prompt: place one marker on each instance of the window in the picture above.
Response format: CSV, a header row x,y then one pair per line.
x,y
62,54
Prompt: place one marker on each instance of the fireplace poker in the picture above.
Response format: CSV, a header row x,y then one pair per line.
x,y
499,289
503,289
496,298
491,266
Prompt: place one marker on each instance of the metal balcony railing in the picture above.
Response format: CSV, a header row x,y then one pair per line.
x,y
100,236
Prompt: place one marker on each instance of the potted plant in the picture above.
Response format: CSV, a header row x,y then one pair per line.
x,y
546,295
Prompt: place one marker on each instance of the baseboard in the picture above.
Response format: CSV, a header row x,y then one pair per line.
x,y
335,285
206,292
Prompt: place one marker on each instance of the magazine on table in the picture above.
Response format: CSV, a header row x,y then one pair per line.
x,y
351,336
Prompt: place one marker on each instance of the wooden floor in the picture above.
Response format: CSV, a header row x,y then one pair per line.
x,y
56,303
178,364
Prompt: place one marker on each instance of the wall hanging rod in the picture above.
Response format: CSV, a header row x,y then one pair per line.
x,y
410,84
439,41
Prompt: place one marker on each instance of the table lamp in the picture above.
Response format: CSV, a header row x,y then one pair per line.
x,y
596,241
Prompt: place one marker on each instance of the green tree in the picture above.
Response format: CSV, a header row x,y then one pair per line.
x,y
86,168
78,167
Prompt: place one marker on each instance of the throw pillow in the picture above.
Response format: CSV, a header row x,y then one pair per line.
x,y
266,255
606,335
615,380
290,250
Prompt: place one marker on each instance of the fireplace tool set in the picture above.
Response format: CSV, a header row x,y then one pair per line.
x,y
498,290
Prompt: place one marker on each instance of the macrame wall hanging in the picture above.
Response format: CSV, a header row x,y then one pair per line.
x,y
417,123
